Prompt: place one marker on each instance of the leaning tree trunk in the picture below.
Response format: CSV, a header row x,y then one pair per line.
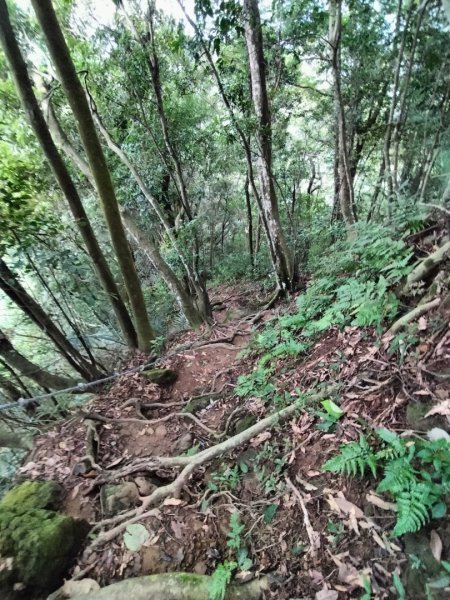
x,y
16,360
75,94
11,286
152,62
150,249
37,121
253,38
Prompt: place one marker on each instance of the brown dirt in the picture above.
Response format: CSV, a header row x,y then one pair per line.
x,y
191,534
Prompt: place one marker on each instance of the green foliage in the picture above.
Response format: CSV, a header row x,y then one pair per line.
x,y
416,473
220,579
234,542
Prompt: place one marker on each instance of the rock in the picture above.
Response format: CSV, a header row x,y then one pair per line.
x,y
118,497
145,486
162,377
72,589
41,544
244,423
33,494
161,431
197,404
184,443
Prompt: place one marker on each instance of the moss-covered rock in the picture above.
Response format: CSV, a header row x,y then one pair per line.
x,y
41,544
162,377
33,494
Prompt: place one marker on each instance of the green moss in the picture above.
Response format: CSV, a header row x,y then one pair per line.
x,y
197,404
160,376
33,494
42,544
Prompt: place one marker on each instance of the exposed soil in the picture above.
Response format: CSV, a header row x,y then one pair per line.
x,y
190,533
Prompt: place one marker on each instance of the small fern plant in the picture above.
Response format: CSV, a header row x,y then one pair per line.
x,y
220,579
416,473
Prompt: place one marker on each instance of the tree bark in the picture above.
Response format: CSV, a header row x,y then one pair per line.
x,y
75,95
29,369
248,205
37,121
146,245
254,42
11,286
342,161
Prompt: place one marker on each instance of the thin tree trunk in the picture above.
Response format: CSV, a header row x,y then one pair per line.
x,y
146,245
75,94
254,42
17,378
37,121
152,63
247,151
248,205
10,391
346,193
17,361
11,286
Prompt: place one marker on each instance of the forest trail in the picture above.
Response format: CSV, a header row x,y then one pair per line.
x,y
347,519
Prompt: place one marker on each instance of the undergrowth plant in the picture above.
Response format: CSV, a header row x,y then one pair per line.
x,y
354,285
415,472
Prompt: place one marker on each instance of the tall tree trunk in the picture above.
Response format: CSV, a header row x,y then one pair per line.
x,y
346,193
10,391
37,121
29,369
254,42
75,94
11,286
262,221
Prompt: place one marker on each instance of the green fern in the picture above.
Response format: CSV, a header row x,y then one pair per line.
x,y
354,457
220,579
412,508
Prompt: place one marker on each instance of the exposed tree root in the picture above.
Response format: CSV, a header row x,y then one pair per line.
x,y
189,464
313,536
425,267
175,586
413,314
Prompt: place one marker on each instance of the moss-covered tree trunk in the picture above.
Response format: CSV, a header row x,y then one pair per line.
x,y
75,95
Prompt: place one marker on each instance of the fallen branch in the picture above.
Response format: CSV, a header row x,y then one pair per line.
x,y
189,464
411,315
425,267
313,536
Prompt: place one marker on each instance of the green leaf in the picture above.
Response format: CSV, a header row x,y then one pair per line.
x,y
332,409
135,536
269,513
438,510
401,592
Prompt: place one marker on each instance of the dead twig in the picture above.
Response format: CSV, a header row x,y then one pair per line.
x,y
314,537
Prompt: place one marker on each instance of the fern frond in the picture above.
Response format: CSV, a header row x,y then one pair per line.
x,y
412,507
398,476
354,457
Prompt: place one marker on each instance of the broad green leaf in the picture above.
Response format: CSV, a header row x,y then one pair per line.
x,y
332,409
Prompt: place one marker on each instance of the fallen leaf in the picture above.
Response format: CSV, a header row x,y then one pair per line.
x,y
438,434
443,408
436,545
135,536
422,324
340,504
259,439
172,502
327,595
350,575
379,502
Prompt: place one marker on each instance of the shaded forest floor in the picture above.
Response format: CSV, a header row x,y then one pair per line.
x,y
327,538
